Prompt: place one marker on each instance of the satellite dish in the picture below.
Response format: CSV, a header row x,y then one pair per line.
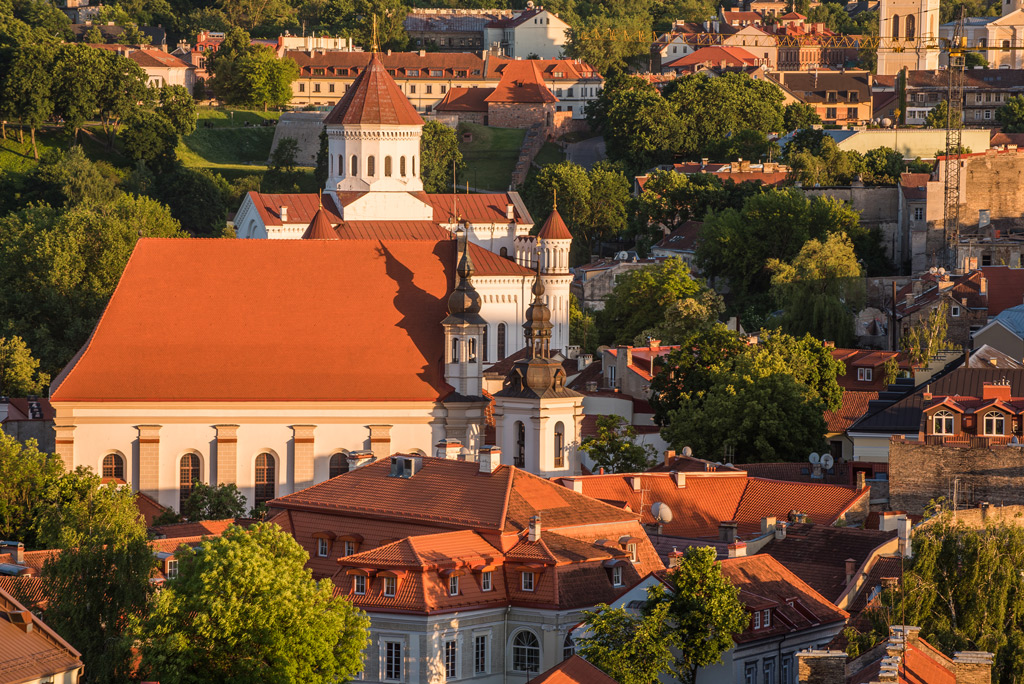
x,y
886,122
827,461
942,271
815,459
661,512
687,452
933,270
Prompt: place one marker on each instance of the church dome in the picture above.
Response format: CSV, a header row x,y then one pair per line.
x,y
373,99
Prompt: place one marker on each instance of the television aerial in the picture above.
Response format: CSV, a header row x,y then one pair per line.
x,y
827,461
814,458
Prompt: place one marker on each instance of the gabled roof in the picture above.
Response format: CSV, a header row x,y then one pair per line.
x,y
715,55
574,670
683,238
990,357
465,100
374,99
28,655
554,228
521,83
855,405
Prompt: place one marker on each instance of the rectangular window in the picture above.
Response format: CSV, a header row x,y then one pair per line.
x,y
485,581
786,668
757,619
766,618
321,548
172,568
831,112
316,87
988,114
527,581
750,673
918,213
451,659
412,72
412,89
350,548
631,548
453,586
393,661
480,654
359,584
390,585
986,259
330,87
444,89
617,576
769,671
851,112
430,90
864,374
302,87
436,73
955,311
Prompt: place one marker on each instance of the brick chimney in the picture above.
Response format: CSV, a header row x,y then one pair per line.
x,y
780,530
679,479
768,525
851,569
623,360
635,483
16,549
973,667
737,549
449,449
997,390
727,531
821,667
670,455
490,458
861,481
284,214
906,548
535,528
983,285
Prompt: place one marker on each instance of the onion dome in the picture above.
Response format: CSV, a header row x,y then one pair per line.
x,y
538,322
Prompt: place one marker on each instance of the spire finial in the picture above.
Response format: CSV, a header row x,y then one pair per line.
x,y
375,47
320,197
555,202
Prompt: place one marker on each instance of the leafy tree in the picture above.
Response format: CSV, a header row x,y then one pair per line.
x,y
928,336
712,110
440,156
150,137
71,179
882,166
1011,115
822,162
213,502
797,115
610,41
890,371
224,619
323,158
975,59
78,73
615,448
682,10
29,478
642,128
180,109
704,611
820,291
19,370
582,327
938,116
123,88
629,649
250,75
616,82
644,297
250,14
197,198
25,86
390,16
98,586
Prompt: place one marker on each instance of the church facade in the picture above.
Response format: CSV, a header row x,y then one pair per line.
x,y
914,26
280,362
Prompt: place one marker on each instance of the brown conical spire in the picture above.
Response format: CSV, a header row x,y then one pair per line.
x,y
374,98
320,227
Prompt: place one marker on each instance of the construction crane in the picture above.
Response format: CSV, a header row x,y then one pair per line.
x,y
954,140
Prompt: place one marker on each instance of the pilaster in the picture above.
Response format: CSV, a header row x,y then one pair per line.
x,y
149,460
227,455
65,445
302,439
380,440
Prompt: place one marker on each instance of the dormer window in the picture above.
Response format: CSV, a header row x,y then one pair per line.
x,y
766,618
942,423
390,586
485,581
757,619
995,423
321,548
617,576
172,568
631,550
350,548
864,374
528,582
453,585
359,584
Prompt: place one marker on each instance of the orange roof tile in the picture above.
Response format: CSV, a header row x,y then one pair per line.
x,y
374,98
28,655
426,551
715,55
574,670
521,83
475,208
210,528
854,406
554,228
179,326
465,100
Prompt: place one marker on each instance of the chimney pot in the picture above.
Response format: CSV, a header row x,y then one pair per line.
x,y
727,531
510,211
490,458
851,569
780,530
16,549
768,525
679,479
903,532
535,528
737,549
284,213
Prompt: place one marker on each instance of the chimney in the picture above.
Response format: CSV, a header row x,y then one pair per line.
x,y
737,549
780,530
449,449
678,478
997,390
535,528
284,214
768,525
654,344
490,458
423,53
16,549
821,667
889,671
983,285
510,211
583,361
21,618
573,483
635,483
358,459
903,532
910,299
727,531
973,666
861,481
623,360
851,569
674,556
670,455
985,509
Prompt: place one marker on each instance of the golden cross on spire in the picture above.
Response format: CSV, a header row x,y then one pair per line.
x,y
320,197
375,47
555,203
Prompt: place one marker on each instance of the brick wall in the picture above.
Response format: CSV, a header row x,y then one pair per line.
x,y
501,115
919,473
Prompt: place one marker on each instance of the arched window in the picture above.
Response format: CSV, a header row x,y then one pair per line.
x,y
414,165
387,166
339,464
568,647
995,423
559,445
503,253
911,26
341,165
188,475
265,478
895,26
355,165
113,466
501,341
401,166
520,455
371,165
525,652
942,423
455,350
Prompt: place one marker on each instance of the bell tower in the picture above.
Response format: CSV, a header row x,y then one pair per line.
x,y
913,25
554,243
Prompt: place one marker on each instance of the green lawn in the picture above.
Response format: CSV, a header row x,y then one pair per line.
x,y
491,156
228,145
550,153
227,116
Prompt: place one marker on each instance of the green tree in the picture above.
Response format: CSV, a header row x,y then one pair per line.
x,y
70,179
615,448
631,649
29,478
616,82
19,370
821,290
98,586
123,88
975,59
938,116
815,159
250,75
642,128
150,137
1011,115
704,611
582,327
250,14
223,618
890,371
78,73
323,155
197,198
26,85
928,336
177,105
882,166
610,41
213,502
390,15
440,157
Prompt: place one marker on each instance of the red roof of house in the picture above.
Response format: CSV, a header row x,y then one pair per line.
x,y
716,55
31,654
554,228
854,406
550,69
180,324
574,670
914,185
475,208
374,98
22,408
465,100
320,227
683,238
521,83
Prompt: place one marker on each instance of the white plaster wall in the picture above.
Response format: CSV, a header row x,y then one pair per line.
x,y
380,142
546,39
869,447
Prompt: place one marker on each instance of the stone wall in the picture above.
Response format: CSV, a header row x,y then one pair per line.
x,y
305,128
921,472
500,115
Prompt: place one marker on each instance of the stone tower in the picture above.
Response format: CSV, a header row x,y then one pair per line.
x,y
914,26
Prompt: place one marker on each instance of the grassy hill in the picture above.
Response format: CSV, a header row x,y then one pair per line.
x,y
491,155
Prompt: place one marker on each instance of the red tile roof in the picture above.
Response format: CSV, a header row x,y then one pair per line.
x,y
714,55
149,508
574,670
914,185
179,326
554,228
203,528
854,406
521,83
476,208
961,287
30,655
465,100
550,69
21,408
374,98
683,238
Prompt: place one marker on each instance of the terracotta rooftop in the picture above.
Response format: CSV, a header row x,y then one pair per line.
x,y
554,228
464,100
203,528
28,655
574,670
715,55
521,83
320,227
960,287
683,238
854,407
374,98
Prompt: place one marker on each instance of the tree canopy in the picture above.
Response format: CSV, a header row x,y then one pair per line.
x,y
1011,114
250,75
614,448
439,157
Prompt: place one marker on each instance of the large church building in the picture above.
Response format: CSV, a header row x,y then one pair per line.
x,y
341,327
